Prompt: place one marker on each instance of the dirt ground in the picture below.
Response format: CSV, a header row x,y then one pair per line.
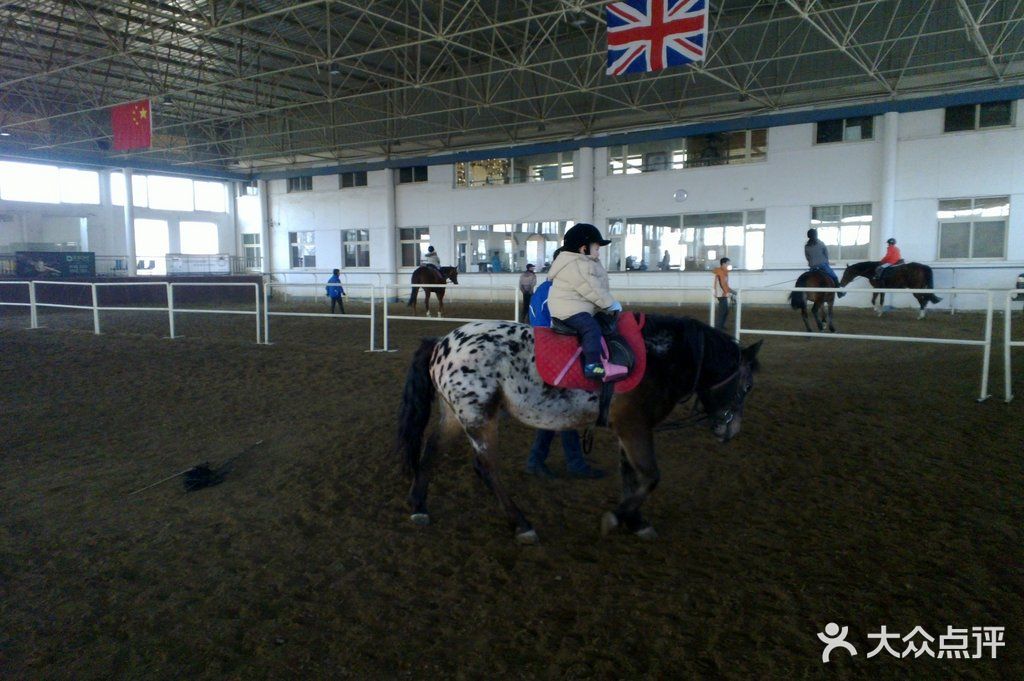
x,y
867,488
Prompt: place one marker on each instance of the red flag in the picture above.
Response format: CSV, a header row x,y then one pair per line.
x,y
132,124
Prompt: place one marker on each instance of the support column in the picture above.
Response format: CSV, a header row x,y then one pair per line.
x,y
129,222
585,186
390,233
266,261
887,210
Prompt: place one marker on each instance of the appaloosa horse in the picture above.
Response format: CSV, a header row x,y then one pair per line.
x,y
483,369
908,275
428,276
798,299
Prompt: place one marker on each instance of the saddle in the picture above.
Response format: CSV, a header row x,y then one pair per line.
x,y
559,357
835,280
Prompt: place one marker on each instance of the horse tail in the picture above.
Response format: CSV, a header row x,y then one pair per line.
x,y
931,284
417,399
798,299
412,298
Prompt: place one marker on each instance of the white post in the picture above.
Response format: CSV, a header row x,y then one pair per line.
x,y
95,310
373,319
266,312
391,254
265,260
256,295
711,309
890,145
585,186
129,222
739,313
988,351
1007,336
385,317
170,308
33,314
515,304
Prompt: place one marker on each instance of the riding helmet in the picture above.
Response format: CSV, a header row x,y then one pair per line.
x,y
812,234
582,234
891,241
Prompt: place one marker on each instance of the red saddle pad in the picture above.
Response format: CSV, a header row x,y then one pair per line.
x,y
559,364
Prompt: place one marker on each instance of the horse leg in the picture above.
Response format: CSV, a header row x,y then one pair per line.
x,y
484,440
640,476
831,326
440,302
444,434
412,299
803,315
922,300
816,311
881,304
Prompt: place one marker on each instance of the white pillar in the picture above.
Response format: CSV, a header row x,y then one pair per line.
x,y
267,261
129,222
83,234
390,258
887,211
585,186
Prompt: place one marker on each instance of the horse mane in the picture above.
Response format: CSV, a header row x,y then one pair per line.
x,y
675,342
859,268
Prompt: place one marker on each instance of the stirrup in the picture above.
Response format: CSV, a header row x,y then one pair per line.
x,y
613,372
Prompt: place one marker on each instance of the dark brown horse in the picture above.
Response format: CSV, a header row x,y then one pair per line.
x,y
426,276
484,370
909,275
798,299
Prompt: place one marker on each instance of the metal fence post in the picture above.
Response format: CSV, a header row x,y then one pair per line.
x,y
266,312
256,295
988,351
739,313
170,307
386,317
1007,338
95,310
33,314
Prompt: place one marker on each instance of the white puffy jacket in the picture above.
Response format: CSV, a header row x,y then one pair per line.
x,y
579,283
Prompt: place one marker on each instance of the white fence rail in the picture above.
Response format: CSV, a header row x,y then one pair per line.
x,y
372,316
1009,343
985,343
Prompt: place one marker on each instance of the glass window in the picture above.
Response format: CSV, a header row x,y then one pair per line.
x,y
79,186
845,229
302,246
300,184
29,182
844,129
975,116
151,245
171,193
973,228
198,238
211,196
355,178
993,114
413,243
355,247
412,174
140,190
507,247
252,251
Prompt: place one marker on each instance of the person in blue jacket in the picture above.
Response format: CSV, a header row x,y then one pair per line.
x,y
335,292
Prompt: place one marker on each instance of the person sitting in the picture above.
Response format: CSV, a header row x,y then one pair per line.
x,y
816,253
431,258
892,257
579,289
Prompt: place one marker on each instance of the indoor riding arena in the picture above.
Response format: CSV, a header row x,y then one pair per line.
x,y
214,386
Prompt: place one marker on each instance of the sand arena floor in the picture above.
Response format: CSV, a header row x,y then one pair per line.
x,y
867,488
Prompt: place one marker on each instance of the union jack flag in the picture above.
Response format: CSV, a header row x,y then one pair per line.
x,y
649,35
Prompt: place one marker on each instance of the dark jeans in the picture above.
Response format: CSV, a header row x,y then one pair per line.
x,y
722,313
340,302
827,269
589,332
526,306
572,449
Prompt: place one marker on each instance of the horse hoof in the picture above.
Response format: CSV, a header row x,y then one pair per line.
x,y
608,522
420,518
648,533
527,538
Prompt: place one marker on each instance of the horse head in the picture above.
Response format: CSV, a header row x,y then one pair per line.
x,y
858,269
450,274
723,401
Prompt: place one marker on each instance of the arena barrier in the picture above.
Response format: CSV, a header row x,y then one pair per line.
x,y
985,343
387,288
1008,342
96,308
372,316
30,304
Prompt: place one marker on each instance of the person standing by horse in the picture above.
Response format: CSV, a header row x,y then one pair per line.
x,y
722,292
527,282
816,253
892,257
335,292
572,449
579,289
431,258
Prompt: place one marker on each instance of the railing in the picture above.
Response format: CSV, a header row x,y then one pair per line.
x,y
985,343
1008,343
372,316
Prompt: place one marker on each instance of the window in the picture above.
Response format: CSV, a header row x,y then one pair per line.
x,y
356,178
171,193
151,245
976,116
412,174
303,248
507,247
845,229
300,184
355,247
692,242
140,190
210,196
79,186
29,182
720,148
844,130
252,252
973,228
198,238
413,243
533,168
250,188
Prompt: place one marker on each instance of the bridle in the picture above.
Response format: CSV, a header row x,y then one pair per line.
x,y
699,413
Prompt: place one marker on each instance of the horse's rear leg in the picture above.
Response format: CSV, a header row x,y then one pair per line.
x,y
442,436
440,302
922,300
640,476
880,308
831,326
484,441
818,316
803,315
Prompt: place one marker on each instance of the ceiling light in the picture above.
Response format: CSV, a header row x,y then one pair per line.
x,y
4,133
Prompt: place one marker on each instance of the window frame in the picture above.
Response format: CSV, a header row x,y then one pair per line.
x,y
971,227
301,183
844,124
361,244
418,242
683,153
295,243
357,177
252,261
837,253
977,116
414,174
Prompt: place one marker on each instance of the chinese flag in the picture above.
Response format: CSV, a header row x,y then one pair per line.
x,y
132,124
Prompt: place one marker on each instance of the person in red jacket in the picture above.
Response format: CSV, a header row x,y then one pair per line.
x,y
892,257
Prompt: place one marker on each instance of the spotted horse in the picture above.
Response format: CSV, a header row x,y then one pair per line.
x,y
483,368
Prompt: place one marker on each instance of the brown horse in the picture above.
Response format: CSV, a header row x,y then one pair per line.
x,y
427,276
798,299
909,275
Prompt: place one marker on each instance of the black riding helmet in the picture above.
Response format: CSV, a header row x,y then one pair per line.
x,y
812,234
582,234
